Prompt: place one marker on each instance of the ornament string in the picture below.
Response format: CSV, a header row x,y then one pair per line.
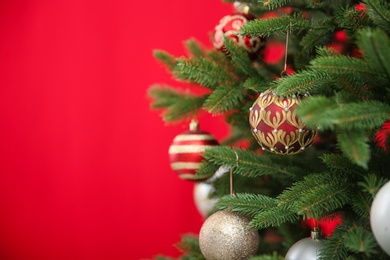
x,y
231,175
286,49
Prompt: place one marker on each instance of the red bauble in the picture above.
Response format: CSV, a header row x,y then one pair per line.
x,y
276,127
229,27
185,152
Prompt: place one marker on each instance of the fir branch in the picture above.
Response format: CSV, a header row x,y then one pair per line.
x,y
166,58
271,4
240,57
273,217
361,204
189,245
201,71
178,104
374,45
318,34
248,163
224,99
206,170
371,184
341,163
257,84
354,144
358,240
275,25
194,48
379,12
334,247
303,82
246,203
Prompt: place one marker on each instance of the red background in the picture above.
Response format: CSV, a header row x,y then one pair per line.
x,y
84,170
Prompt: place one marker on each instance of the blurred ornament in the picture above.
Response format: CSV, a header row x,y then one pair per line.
x,y
203,202
225,235
229,27
379,217
185,152
276,127
306,249
382,136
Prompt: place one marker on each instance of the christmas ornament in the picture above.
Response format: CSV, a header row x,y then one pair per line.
x,y
306,249
185,152
229,27
224,235
203,202
276,127
379,217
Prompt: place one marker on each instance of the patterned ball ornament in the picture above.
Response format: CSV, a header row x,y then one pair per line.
x,y
225,235
185,152
229,27
306,249
379,217
276,127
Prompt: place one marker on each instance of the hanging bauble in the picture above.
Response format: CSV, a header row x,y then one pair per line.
x,y
276,127
229,26
202,198
306,249
379,217
225,235
185,152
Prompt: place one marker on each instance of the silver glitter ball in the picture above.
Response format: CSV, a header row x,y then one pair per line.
x,y
225,235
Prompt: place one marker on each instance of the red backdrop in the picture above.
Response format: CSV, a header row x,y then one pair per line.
x,y
84,170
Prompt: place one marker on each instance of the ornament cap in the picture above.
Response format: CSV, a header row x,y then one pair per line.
x,y
316,234
194,125
241,7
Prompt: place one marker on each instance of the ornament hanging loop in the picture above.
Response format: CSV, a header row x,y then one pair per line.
x,y
289,29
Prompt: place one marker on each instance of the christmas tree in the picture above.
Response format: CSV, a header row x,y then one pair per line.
x,y
308,139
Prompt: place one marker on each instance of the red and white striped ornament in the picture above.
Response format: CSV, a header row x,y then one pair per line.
x,y
185,152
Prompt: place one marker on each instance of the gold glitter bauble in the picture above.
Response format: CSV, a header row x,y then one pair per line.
x,y
225,235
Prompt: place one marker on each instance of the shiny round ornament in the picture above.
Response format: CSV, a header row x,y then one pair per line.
x,y
225,235
379,217
202,198
229,27
306,249
185,152
276,127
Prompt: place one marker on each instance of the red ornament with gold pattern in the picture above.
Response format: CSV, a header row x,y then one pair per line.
x,y
185,152
276,127
229,27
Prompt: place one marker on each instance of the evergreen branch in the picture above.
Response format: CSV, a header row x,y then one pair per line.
x,y
256,84
194,48
206,170
271,4
275,25
273,217
374,45
223,99
177,104
340,65
248,163
189,245
358,240
246,203
361,204
240,57
333,247
303,82
354,144
319,34
316,111
166,58
340,163
379,12
371,184
201,71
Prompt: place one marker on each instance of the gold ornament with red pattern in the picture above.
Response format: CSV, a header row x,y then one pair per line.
x,y
185,152
229,27
276,127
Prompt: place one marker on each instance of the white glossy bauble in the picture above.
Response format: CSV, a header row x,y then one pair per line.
x,y
203,202
305,249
